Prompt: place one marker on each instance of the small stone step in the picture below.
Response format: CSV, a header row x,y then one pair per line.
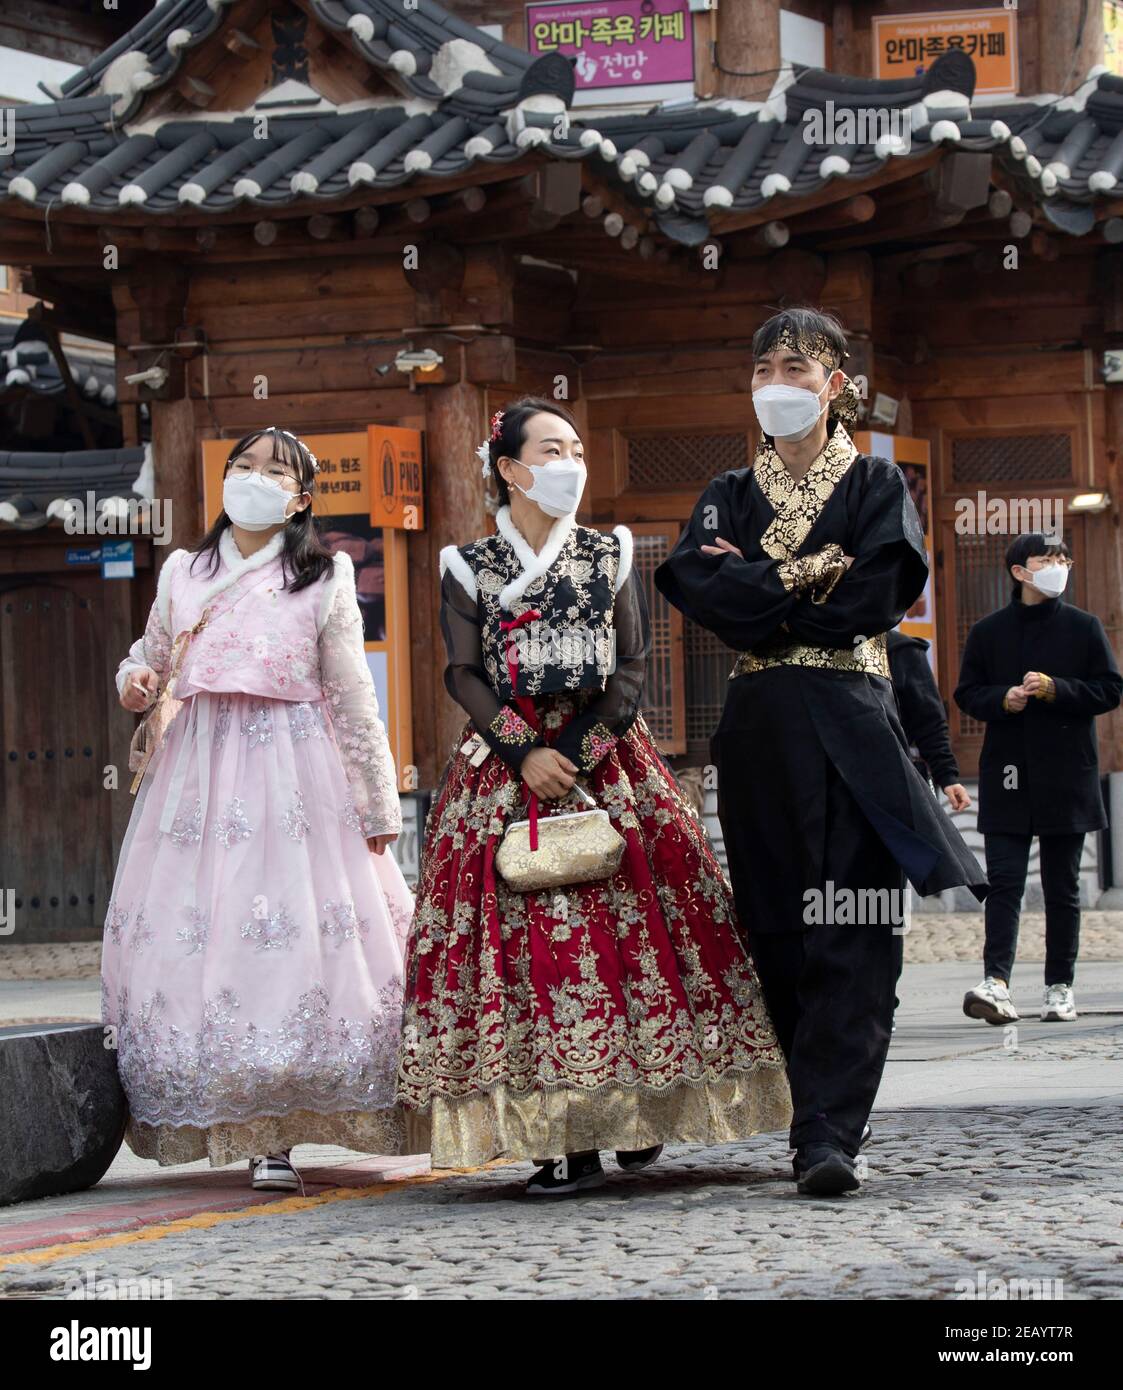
x,y
62,1110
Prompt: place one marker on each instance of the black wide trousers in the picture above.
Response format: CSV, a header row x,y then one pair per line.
x,y
791,825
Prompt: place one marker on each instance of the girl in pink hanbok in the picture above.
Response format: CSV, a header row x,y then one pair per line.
x,y
252,964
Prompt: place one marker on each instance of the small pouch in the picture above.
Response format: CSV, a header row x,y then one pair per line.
x,y
574,847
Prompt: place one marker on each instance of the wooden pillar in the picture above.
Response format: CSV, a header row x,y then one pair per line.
x,y
179,476
455,422
748,40
1103,551
1056,29
850,50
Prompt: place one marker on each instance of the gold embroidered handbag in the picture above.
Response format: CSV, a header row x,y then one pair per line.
x,y
574,847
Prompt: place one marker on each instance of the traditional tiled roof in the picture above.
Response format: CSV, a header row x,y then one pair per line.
x,y
26,360
37,489
466,99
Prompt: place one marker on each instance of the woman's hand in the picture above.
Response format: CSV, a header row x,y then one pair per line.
x,y
547,773
1015,698
958,796
377,843
140,689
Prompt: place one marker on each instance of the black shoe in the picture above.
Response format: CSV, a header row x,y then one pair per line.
x,y
825,1171
632,1160
562,1176
867,1136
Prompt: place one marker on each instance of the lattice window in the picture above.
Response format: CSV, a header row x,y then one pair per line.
x,y
1014,459
674,461
708,663
659,705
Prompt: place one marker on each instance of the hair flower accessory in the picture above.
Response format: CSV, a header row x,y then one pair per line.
x,y
483,451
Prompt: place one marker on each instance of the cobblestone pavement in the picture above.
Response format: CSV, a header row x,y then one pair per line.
x,y
997,1155
949,1195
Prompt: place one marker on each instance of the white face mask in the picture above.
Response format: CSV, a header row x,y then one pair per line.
x,y
788,412
256,503
1051,580
557,485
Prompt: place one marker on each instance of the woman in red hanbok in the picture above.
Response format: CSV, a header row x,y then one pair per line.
x,y
618,1014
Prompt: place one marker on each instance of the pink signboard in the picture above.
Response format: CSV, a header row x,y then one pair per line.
x,y
617,43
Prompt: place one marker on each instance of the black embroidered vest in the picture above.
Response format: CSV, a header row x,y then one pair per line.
x,y
572,645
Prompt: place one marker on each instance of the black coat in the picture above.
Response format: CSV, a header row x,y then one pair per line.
x,y
923,716
1039,771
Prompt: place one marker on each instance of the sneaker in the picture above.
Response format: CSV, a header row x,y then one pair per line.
x,y
1059,1005
633,1160
990,1000
561,1176
274,1173
825,1171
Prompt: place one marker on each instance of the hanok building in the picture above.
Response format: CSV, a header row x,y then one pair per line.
x,y
352,214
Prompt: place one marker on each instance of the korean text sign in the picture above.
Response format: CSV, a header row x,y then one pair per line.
x,y
616,43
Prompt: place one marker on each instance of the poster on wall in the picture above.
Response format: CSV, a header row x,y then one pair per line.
x,y
908,45
912,457
347,506
625,50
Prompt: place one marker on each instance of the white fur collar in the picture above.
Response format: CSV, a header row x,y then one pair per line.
x,y
533,566
235,564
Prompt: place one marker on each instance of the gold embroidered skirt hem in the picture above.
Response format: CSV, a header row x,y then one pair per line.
x,y
466,1131
367,1131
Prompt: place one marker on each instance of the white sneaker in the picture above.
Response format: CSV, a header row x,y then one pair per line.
x,y
990,1000
1059,1005
274,1173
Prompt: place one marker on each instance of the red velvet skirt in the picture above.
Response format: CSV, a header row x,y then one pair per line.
x,y
617,1014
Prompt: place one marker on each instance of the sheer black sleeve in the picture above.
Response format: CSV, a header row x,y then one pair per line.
x,y
743,602
504,729
586,739
888,575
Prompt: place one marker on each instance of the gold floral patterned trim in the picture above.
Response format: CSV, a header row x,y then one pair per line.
x,y
797,505
367,1131
1049,691
819,571
511,728
870,658
596,743
546,1123
815,346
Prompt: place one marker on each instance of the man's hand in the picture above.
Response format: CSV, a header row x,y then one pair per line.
x,y
377,843
1016,698
1035,683
722,547
547,773
957,796
139,689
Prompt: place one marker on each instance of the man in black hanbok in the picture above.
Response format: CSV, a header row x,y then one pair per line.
x,y
802,563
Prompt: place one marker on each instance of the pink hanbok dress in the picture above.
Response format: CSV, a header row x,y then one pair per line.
x,y
252,960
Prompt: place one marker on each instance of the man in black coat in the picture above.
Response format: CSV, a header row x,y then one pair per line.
x,y
1037,673
923,716
925,723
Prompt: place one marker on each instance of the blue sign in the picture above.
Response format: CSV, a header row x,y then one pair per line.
x,y
117,560
74,556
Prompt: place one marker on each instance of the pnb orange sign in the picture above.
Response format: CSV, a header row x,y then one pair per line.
x,y
397,485
908,46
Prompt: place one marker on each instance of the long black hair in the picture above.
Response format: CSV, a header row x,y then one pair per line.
x,y
512,435
1028,544
304,557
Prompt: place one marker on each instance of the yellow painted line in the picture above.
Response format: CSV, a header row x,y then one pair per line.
x,y
205,1220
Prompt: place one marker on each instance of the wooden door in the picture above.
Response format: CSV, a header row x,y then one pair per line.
x,y
57,817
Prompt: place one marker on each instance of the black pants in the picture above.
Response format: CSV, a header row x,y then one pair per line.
x,y
1007,863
